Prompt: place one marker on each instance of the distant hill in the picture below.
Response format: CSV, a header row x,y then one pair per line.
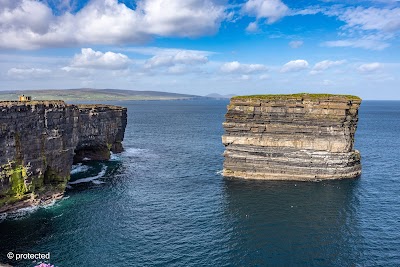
x,y
218,96
93,94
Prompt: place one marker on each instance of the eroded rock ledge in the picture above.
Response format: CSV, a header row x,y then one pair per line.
x,y
291,137
39,141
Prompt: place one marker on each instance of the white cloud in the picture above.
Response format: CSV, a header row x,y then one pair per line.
x,y
182,18
252,27
384,19
236,67
14,16
105,22
272,10
186,57
365,43
295,65
368,28
370,67
90,59
159,61
296,44
325,64
198,79
29,24
177,69
27,73
77,72
307,11
152,51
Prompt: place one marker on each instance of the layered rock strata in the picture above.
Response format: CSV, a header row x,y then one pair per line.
x,y
291,137
39,140
101,130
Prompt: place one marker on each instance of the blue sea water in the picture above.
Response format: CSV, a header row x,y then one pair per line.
x,y
163,202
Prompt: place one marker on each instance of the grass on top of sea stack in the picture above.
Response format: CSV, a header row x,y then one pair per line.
x,y
297,96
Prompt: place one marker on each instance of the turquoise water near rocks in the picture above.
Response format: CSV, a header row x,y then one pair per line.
x,y
163,202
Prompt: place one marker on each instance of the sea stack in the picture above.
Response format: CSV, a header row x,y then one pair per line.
x,y
39,141
291,137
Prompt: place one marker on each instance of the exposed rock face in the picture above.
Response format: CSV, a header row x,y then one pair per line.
x,y
38,140
101,130
291,137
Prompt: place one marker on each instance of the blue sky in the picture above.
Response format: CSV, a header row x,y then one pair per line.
x,y
203,46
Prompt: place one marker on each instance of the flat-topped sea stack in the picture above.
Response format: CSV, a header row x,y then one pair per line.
x,y
291,137
39,140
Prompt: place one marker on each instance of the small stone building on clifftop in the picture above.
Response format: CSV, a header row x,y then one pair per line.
x,y
24,98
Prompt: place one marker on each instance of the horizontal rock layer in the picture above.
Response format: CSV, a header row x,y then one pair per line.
x,y
291,137
39,140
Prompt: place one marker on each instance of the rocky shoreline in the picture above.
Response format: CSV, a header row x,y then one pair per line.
x,y
291,137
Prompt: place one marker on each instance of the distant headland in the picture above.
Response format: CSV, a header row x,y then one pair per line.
x,y
90,94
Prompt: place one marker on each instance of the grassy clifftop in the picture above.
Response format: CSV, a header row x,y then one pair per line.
x,y
297,96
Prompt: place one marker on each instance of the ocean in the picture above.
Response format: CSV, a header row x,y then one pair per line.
x,y
163,202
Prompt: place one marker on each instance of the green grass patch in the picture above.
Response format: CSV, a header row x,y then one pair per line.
x,y
297,96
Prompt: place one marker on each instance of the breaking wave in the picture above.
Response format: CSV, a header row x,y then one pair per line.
x,y
92,179
114,157
78,168
135,151
18,214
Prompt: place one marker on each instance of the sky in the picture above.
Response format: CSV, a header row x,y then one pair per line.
x,y
203,46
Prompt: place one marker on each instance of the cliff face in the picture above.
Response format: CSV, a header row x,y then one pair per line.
x,y
291,137
101,130
39,140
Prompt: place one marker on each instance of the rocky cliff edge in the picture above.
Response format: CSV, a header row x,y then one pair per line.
x,y
291,137
40,140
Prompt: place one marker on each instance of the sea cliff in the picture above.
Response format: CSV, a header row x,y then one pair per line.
x,y
291,137
39,141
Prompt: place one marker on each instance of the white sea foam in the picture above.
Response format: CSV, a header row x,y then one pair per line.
x,y
24,212
219,172
78,168
97,182
3,216
135,151
90,179
49,204
21,213
138,153
114,157
57,216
